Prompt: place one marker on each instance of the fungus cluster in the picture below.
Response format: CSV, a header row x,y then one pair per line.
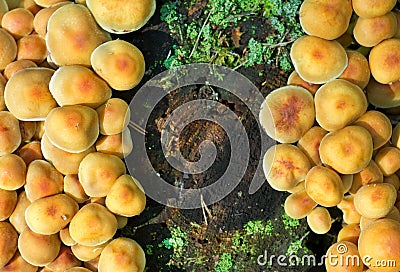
x,y
336,144
64,189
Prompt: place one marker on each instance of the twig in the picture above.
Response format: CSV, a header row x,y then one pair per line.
x,y
198,36
137,128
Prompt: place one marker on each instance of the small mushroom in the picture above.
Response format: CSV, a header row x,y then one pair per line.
x,y
42,17
350,233
17,65
2,86
93,225
357,70
12,172
65,237
295,79
32,47
319,220
17,263
87,253
8,242
388,160
30,151
119,144
394,180
372,8
74,189
119,63
299,204
9,48
384,61
317,60
287,113
17,218
343,256
396,136
28,129
124,255
48,3
370,174
347,181
309,143
114,116
8,201
384,96
18,22
64,260
10,134
350,214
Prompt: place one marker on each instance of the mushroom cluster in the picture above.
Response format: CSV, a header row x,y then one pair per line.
x,y
336,144
64,188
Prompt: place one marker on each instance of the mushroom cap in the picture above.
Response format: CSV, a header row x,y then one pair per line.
x,y
98,172
29,5
348,150
27,94
319,220
2,86
66,238
30,151
42,180
396,136
28,129
394,180
388,160
284,166
10,134
74,189
17,263
287,113
384,61
17,218
375,200
12,172
369,32
64,260
42,17
370,174
357,70
350,233
4,7
338,103
350,214
324,186
119,63
46,247
49,215
397,14
114,116
325,19
372,8
8,201
343,256
78,269
317,60
378,125
32,47
121,17
9,48
299,204
75,84
8,242
87,253
72,35
383,95
380,241
17,65
123,254
122,221
93,225
126,197
295,79
65,162
309,144
72,128
18,22
347,181
48,3
120,144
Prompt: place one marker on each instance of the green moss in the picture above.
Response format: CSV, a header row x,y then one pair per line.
x,y
224,263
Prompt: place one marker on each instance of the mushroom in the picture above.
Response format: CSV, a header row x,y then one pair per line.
x,y
44,251
287,113
122,254
299,204
324,186
30,151
4,7
93,225
72,128
347,181
317,60
309,143
325,19
65,162
17,218
12,172
39,130
42,180
74,189
378,125
32,47
92,265
343,256
49,215
350,214
372,8
27,94
114,116
119,144
284,166
64,260
375,200
396,136
48,3
18,22
65,237
370,174
295,79
121,17
357,70
126,197
299,187
119,63
10,134
28,129
384,61
349,233
78,269
9,48
388,160
17,263
74,84
383,95
42,17
8,201
319,220
87,253
98,172
348,150
17,65
369,32
29,5
338,103
394,180
380,242
2,86
122,221
8,242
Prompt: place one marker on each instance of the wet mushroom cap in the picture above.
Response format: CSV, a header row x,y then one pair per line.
x,y
383,95
72,128
121,17
287,113
12,172
372,8
284,166
338,103
27,94
114,116
93,225
384,61
8,242
75,84
10,134
317,60
119,63
357,70
348,150
124,253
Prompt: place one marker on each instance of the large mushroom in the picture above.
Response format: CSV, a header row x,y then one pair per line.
x,y
384,61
